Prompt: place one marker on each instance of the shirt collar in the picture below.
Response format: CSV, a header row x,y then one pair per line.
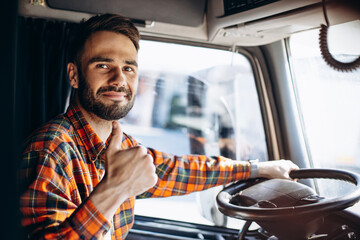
x,y
92,142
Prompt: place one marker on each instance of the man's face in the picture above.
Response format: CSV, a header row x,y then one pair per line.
x,y
108,77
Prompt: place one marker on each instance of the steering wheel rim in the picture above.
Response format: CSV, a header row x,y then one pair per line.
x,y
264,214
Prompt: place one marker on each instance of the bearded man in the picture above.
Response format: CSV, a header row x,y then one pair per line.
x,y
82,173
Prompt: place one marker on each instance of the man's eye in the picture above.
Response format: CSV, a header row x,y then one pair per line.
x,y
128,69
103,66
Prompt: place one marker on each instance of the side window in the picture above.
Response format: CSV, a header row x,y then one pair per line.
x,y
329,101
194,100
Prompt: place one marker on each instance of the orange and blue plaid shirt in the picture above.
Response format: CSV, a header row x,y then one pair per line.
x,y
64,161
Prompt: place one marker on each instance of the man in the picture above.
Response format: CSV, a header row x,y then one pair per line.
x,y
82,173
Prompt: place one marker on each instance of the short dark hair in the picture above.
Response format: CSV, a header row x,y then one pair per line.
x,y
105,22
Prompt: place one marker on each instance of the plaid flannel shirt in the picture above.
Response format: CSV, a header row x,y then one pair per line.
x,y
64,161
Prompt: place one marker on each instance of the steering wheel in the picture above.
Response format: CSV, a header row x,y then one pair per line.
x,y
301,218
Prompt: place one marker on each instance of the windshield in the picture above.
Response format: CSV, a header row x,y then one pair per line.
x,y
195,100
329,101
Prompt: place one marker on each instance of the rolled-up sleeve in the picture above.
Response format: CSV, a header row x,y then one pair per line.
x,y
179,175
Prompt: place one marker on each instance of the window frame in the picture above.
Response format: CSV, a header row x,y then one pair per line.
x,y
289,128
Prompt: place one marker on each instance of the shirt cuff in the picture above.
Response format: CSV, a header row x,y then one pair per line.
x,y
89,222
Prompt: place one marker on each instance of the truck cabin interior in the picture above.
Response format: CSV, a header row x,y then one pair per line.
x,y
35,50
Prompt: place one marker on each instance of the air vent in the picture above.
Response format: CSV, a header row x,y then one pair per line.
x,y
237,6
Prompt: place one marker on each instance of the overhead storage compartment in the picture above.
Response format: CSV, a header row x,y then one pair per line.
x,y
269,21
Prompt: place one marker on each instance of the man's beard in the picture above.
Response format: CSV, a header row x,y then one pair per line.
x,y
94,104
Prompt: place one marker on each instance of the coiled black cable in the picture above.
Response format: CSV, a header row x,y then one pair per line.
x,y
325,53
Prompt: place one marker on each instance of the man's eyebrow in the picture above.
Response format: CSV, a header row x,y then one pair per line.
x,y
105,59
131,62
100,59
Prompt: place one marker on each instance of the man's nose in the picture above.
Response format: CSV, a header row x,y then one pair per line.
x,y
118,78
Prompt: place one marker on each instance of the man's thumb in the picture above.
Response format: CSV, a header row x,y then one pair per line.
x,y
116,136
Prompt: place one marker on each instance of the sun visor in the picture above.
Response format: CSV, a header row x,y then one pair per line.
x,y
182,12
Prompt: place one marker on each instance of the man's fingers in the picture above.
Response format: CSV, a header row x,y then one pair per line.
x,y
116,137
291,166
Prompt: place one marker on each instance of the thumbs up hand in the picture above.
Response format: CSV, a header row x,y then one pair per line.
x,y
129,171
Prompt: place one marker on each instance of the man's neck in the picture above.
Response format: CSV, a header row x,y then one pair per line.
x,y
101,127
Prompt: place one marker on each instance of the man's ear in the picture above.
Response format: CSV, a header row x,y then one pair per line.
x,y
72,72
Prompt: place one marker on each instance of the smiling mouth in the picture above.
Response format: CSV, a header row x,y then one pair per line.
x,y
115,95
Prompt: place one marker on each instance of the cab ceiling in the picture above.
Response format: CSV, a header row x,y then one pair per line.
x,y
204,21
